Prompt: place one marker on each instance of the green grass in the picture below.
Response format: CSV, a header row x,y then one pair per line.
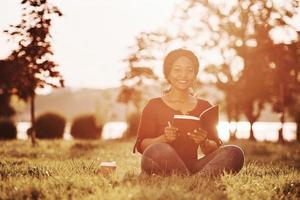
x,y
69,170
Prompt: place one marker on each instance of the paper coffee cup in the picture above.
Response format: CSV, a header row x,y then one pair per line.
x,y
107,167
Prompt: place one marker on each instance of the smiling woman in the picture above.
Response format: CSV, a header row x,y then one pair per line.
x,y
163,150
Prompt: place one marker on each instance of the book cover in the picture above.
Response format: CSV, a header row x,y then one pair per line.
x,y
208,121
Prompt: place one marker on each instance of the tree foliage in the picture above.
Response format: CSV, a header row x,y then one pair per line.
x,y
6,88
138,73
284,81
242,33
34,67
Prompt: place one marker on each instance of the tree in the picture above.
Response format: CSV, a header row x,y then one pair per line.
x,y
231,81
294,111
33,67
284,81
135,79
227,82
138,73
241,29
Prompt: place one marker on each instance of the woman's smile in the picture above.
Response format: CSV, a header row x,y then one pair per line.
x,y
185,82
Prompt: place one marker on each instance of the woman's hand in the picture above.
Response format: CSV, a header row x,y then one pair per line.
x,y
198,135
170,133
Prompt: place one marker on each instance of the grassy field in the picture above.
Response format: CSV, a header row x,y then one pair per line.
x,y
69,170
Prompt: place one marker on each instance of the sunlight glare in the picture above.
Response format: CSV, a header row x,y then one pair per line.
x,y
263,131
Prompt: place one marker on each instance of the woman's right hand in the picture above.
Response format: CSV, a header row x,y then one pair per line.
x,y
170,133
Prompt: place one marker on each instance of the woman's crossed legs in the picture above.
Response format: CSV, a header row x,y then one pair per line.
x,y
161,158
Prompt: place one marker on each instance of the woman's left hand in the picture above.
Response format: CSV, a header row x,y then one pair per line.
x,y
198,135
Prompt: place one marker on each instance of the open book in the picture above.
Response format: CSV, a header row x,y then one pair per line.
x,y
208,121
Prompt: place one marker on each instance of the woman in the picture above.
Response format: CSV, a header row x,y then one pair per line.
x,y
163,151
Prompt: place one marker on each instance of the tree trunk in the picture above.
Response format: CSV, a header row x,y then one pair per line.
x,y
298,131
232,133
237,119
252,138
282,117
32,112
280,132
232,136
252,115
229,112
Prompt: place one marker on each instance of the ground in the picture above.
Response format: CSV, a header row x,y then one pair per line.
x,y
69,170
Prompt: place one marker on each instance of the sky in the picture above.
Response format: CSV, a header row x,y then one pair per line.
x,y
93,36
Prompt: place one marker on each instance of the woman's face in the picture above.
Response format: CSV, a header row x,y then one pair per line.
x,y
182,74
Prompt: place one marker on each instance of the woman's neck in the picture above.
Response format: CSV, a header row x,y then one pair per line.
x,y
178,95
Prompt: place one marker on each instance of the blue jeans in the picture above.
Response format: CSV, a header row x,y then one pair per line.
x,y
162,159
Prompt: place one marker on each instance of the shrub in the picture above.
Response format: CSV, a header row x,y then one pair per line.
x,y
50,126
133,124
85,127
8,130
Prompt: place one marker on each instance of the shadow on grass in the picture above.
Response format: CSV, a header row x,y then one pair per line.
x,y
169,187
267,152
84,148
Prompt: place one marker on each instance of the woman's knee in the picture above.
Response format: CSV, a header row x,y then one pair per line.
x,y
237,155
158,158
159,150
233,149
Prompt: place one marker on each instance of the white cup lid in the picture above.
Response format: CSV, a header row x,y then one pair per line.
x,y
108,164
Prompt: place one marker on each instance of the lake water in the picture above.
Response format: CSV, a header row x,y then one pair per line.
x,y
262,130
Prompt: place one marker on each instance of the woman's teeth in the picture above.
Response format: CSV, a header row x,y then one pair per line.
x,y
182,81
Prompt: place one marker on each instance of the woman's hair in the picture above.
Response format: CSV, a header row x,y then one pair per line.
x,y
177,53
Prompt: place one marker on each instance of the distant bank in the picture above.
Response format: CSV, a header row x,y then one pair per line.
x,y
71,103
263,131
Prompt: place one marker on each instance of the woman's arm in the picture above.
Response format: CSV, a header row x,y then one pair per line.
x,y
208,146
147,125
169,135
149,141
200,137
